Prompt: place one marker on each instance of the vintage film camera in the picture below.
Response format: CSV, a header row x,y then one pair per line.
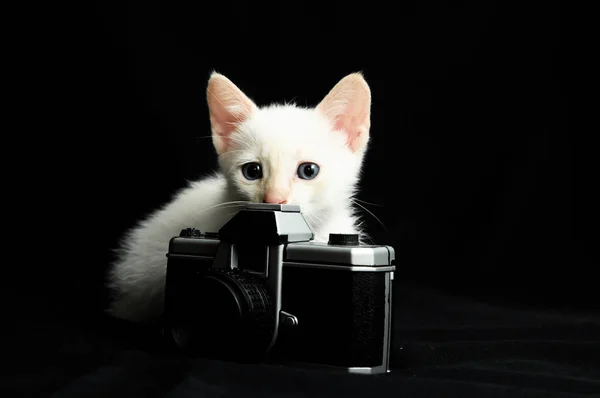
x,y
261,290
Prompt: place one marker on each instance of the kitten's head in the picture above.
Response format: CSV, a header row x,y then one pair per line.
x,y
289,154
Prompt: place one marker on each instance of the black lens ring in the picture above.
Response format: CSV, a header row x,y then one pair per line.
x,y
250,338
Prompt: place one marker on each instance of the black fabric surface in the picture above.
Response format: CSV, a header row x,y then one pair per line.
x,y
444,346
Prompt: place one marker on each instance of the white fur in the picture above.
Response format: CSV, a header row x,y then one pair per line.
x,y
280,137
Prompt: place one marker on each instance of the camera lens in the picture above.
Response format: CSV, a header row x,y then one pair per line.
x,y
233,316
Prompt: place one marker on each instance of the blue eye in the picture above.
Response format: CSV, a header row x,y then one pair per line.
x,y
252,171
308,171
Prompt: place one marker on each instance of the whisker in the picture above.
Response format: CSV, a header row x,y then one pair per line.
x,y
365,236
248,134
368,203
239,140
368,211
290,102
310,224
228,205
232,151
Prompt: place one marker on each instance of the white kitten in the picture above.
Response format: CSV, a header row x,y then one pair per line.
x,y
275,154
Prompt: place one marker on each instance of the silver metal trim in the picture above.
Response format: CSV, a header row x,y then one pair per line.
x,y
320,252
294,225
375,370
273,284
288,208
369,371
387,322
341,267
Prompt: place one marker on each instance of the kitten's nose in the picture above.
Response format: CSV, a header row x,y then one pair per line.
x,y
274,199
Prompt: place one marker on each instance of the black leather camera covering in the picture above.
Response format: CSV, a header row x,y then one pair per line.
x,y
340,317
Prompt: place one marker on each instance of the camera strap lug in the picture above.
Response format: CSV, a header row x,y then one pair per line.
x,y
287,319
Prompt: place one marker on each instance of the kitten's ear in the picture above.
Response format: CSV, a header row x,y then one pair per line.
x,y
348,106
228,106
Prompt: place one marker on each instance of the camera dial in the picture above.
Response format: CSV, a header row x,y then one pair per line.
x,y
190,232
343,239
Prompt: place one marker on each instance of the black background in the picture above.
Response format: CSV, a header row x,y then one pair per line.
x,y
472,157
470,162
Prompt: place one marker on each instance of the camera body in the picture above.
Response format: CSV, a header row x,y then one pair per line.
x,y
260,289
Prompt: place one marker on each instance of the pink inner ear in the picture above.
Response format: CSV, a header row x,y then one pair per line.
x,y
228,107
225,120
356,127
348,106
